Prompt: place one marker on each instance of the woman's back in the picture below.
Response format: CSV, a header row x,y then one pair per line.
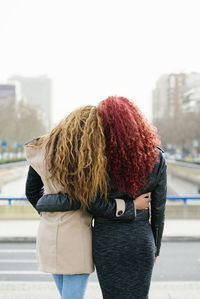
x,y
124,251
62,236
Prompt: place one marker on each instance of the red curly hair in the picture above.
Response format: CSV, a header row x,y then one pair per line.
x,y
131,143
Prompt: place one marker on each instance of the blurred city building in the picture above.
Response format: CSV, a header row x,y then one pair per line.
x,y
176,93
191,98
7,94
36,92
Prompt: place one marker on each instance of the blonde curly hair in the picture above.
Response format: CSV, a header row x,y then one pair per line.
x,y
75,155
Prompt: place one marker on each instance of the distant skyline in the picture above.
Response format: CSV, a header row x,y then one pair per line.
x,y
37,92
93,49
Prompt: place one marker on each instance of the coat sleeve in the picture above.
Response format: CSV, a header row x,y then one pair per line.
x,y
34,187
158,203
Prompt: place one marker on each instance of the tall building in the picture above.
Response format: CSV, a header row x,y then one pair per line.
x,y
37,92
174,94
159,98
191,98
7,94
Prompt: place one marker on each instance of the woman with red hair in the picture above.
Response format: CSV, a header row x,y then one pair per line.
x,y
124,251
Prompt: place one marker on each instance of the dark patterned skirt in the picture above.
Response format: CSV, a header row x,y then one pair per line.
x,y
124,255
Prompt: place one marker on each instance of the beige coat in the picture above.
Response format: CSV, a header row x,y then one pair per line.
x,y
64,239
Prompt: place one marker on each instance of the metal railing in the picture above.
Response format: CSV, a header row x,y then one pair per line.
x,y
171,198
184,198
10,199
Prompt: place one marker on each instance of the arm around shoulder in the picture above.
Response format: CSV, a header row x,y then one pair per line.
x,y
114,209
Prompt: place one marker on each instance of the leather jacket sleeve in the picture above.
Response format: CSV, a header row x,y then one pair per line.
x,y
158,203
57,203
109,209
34,187
35,192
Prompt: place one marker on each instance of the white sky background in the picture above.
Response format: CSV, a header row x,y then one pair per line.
x,y
92,49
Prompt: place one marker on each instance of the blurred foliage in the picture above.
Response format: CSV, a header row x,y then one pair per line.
x,y
180,130
11,160
20,123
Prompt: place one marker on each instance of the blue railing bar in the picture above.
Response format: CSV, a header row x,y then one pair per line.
x,y
10,199
184,198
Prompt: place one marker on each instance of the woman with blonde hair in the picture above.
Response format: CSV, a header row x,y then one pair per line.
x,y
71,164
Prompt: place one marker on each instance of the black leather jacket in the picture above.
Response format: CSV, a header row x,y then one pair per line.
x,y
156,184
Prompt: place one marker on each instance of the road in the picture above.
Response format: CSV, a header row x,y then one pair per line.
x,y
16,188
184,164
179,261
176,186
13,164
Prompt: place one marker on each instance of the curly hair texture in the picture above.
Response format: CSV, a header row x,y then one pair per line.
x,y
130,143
75,155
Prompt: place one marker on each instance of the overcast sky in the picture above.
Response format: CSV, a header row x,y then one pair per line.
x,y
92,49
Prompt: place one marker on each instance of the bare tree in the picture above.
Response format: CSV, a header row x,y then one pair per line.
x,y
180,130
20,123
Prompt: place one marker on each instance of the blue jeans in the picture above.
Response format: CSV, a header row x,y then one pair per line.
x,y
71,286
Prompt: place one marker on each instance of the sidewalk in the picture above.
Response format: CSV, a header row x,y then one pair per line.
x,y
47,290
26,230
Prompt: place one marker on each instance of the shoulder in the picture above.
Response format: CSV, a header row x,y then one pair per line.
x,y
159,164
160,149
161,154
30,149
35,150
36,143
162,162
32,141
